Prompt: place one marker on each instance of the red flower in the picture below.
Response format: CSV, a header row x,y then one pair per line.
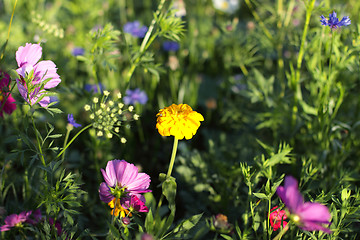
x,y
276,217
7,102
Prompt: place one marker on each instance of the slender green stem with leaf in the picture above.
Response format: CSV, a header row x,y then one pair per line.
x,y
67,145
38,141
296,79
148,39
8,33
171,165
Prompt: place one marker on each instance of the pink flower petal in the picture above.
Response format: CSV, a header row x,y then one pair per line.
x,y
30,54
46,70
290,194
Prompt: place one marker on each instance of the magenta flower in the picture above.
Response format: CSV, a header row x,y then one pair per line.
x,y
35,217
35,77
134,204
7,102
122,179
14,220
277,217
307,215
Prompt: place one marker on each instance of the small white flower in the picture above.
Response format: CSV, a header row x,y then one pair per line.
x,y
123,140
95,100
106,93
87,107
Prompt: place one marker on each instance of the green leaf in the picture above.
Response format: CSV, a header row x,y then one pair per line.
x,y
180,231
149,222
114,231
260,195
227,237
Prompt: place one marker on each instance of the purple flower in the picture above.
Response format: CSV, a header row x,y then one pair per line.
x,y
135,96
57,225
171,46
54,99
71,121
77,51
122,179
333,21
94,88
37,76
14,220
307,215
135,30
36,217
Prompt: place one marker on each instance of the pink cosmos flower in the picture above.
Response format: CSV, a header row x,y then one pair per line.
x,y
134,204
276,217
122,179
9,105
40,75
14,220
308,216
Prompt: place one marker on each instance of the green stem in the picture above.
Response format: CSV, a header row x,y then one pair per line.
x,y
172,160
38,142
145,43
283,231
65,141
258,19
8,34
296,83
268,218
82,130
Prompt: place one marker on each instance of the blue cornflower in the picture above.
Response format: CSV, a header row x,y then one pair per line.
x,y
71,121
135,96
54,99
78,51
171,46
94,88
333,21
134,29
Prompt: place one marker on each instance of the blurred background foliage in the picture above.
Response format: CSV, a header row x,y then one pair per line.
x,y
234,68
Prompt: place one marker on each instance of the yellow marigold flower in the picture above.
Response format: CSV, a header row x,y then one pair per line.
x,y
118,209
179,121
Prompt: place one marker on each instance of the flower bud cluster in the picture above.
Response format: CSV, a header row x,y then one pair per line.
x,y
51,29
108,115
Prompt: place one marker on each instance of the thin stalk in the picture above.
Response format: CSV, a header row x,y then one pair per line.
x,y
258,19
66,139
38,142
172,160
8,34
145,43
82,130
268,218
283,231
296,83
171,165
